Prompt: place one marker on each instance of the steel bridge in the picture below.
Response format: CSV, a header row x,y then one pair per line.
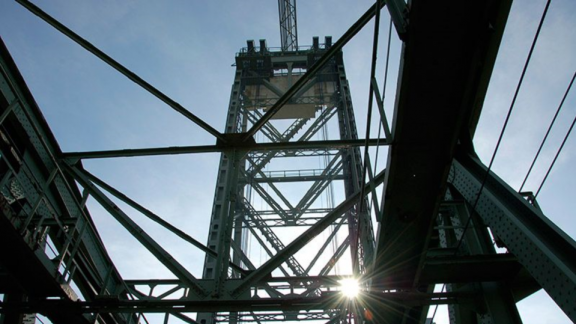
x,y
437,208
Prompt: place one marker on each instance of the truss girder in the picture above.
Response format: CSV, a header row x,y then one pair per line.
x,y
332,170
329,300
280,222
44,219
268,130
264,178
325,244
269,252
270,201
284,138
296,126
359,221
276,316
297,99
302,178
238,250
329,265
318,123
272,238
303,239
542,248
158,251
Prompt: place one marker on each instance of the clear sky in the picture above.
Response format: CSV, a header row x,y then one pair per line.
x,y
186,49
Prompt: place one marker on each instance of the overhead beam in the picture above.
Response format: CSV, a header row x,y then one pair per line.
x,y
326,301
303,178
318,187
174,150
439,94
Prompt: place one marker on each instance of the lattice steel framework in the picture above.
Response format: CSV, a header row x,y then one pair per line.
x,y
439,212
261,78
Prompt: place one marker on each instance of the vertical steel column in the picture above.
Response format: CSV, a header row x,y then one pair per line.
x,y
359,221
222,222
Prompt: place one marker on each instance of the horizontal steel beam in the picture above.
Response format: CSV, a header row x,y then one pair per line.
x,y
475,268
174,150
267,317
281,222
325,301
293,179
328,281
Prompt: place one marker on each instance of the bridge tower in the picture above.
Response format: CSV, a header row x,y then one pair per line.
x,y
263,197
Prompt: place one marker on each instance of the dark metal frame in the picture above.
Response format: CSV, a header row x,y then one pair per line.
x,y
413,251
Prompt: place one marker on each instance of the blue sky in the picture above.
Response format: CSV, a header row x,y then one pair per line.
x,y
186,49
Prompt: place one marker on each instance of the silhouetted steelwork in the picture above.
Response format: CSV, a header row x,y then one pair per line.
x,y
48,242
263,76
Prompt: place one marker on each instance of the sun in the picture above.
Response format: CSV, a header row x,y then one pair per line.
x,y
349,287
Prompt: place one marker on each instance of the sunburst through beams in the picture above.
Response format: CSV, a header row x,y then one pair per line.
x,y
349,287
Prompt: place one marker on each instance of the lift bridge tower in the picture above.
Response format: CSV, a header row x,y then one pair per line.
x,y
251,212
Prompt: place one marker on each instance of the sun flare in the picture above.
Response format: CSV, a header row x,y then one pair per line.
x,y
349,287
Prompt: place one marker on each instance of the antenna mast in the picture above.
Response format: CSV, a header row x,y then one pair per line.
x,y
288,30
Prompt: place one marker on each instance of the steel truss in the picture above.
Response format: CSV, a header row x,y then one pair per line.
x,y
243,174
431,230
